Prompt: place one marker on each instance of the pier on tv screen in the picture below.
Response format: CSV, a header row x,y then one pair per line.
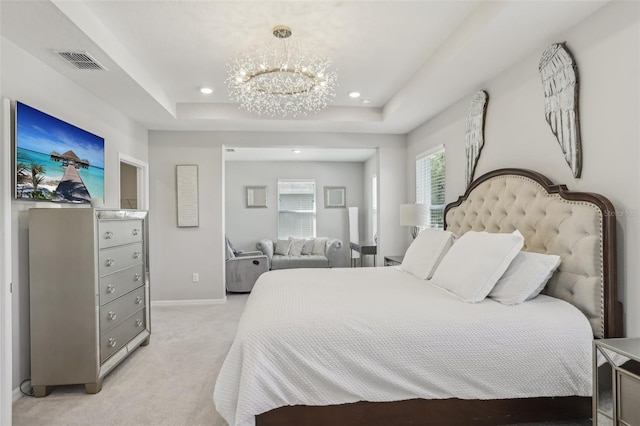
x,y
56,161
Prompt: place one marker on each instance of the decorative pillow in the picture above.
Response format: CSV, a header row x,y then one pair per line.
x,y
475,262
296,247
319,245
426,251
525,277
308,246
282,247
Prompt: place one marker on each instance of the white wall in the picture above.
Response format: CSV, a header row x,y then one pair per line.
x,y
176,252
26,79
606,49
392,187
6,370
245,226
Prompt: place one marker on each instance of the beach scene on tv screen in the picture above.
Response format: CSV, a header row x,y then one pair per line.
x,y
56,161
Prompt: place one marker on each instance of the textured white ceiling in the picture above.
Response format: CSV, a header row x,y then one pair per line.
x,y
411,58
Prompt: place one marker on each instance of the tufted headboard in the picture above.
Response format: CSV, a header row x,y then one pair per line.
x,y
579,227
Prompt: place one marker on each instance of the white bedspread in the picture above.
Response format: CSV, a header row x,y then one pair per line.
x,y
331,336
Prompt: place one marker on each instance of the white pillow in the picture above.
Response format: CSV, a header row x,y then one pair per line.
x,y
475,262
319,245
282,247
525,277
426,251
307,247
296,247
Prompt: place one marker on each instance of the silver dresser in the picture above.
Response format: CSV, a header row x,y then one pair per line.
x,y
89,293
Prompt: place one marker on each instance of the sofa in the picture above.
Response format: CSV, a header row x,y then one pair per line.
x,y
301,253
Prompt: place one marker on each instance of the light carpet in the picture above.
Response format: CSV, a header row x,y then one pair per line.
x,y
168,382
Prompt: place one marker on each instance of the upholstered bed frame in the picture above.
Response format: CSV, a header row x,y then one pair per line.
x,y
579,227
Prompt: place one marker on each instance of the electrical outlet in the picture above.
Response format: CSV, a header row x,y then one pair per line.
x,y
196,277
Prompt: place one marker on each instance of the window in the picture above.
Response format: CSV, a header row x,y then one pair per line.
x,y
296,208
374,207
430,183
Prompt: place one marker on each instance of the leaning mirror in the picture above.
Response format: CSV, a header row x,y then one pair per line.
x,y
256,196
335,197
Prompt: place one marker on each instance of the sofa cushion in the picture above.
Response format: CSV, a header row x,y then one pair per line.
x,y
308,246
319,246
304,261
282,247
295,249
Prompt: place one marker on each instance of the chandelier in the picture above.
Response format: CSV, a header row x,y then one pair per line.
x,y
280,79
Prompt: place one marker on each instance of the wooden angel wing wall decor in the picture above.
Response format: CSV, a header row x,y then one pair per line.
x,y
559,75
474,133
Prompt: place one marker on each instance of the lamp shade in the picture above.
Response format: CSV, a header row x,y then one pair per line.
x,y
414,214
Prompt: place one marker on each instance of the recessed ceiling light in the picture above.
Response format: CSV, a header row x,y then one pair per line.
x,y
366,101
206,90
354,95
296,151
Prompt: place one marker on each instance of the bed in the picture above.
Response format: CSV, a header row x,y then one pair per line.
x,y
379,346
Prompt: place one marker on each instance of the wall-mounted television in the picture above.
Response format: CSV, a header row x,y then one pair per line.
x,y
56,161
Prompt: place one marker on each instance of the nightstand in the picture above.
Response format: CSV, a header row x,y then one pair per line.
x,y
393,260
616,382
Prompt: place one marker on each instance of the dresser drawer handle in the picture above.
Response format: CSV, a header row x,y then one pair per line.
x,y
138,300
137,277
136,231
109,262
136,254
108,235
138,322
111,316
112,342
110,289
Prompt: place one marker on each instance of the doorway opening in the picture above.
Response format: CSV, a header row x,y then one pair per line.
x,y
128,186
134,183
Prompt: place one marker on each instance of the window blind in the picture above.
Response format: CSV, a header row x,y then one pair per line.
x,y
430,185
296,209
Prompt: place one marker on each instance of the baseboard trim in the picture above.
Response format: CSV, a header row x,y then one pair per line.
x,y
188,302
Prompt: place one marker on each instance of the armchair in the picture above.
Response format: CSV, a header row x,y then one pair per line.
x,y
242,269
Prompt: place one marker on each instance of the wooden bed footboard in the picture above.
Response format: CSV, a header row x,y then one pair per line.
x,y
422,412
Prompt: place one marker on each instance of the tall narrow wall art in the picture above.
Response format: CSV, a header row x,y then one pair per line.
x,y
559,75
474,133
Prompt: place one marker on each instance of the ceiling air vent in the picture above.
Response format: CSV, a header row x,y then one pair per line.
x,y
81,60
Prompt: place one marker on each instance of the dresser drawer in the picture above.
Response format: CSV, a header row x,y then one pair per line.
x,y
117,232
122,282
116,311
118,336
117,258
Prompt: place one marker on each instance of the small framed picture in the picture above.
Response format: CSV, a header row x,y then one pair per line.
x,y
335,197
256,196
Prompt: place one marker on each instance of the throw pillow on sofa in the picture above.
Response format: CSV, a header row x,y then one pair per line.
x,y
307,248
319,246
295,249
282,247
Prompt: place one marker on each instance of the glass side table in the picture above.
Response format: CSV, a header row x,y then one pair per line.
x,y
616,382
